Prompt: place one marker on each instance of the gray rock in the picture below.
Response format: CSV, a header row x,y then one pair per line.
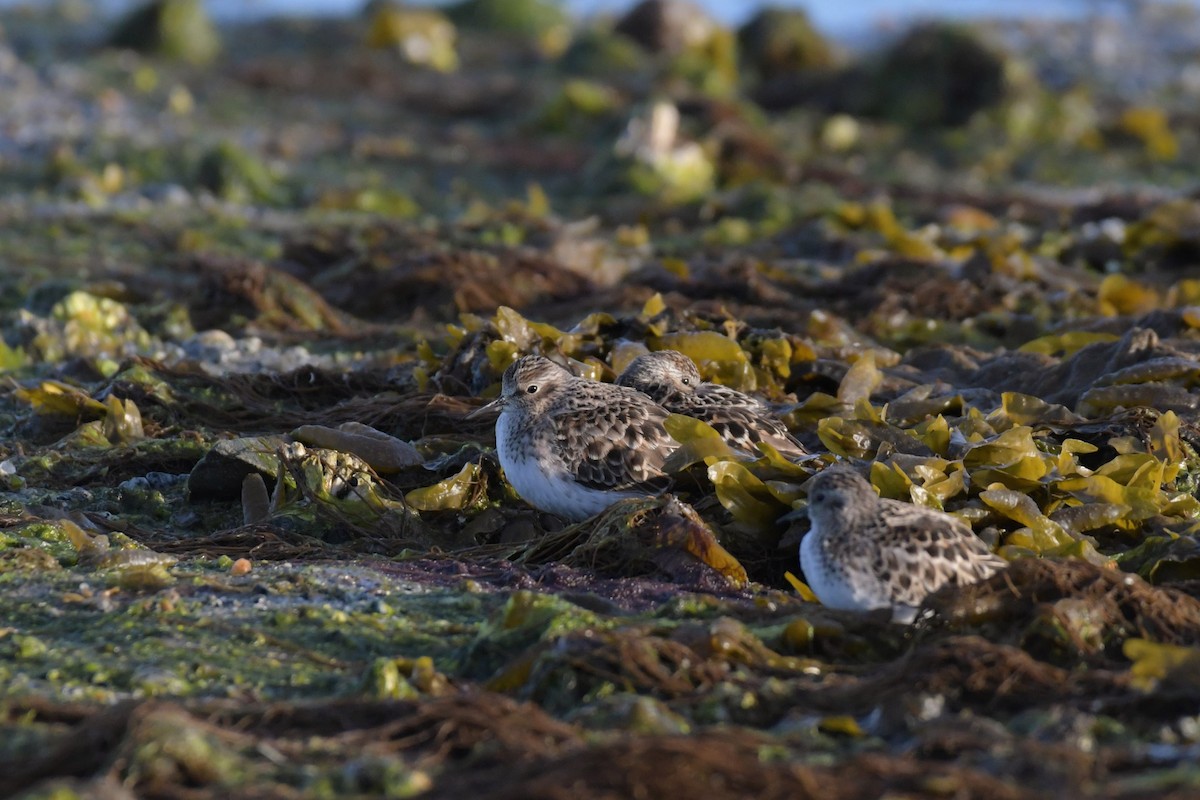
x,y
219,475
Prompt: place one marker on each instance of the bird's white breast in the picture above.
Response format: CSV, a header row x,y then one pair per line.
x,y
545,483
842,589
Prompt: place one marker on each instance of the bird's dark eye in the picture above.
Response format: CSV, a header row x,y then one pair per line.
x,y
532,388
687,381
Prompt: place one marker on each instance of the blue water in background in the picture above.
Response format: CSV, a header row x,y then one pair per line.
x,y
831,15
834,17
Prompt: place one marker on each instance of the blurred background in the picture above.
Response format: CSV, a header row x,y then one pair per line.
x,y
628,111
831,15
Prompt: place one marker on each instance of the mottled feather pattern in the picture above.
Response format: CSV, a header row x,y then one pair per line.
x,y
609,436
672,380
572,446
743,429
930,548
865,552
712,395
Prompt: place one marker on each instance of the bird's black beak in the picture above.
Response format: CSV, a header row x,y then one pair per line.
x,y
496,405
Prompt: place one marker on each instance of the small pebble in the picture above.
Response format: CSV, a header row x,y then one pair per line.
x,y
240,567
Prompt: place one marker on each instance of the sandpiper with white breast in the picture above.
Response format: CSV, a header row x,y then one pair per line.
x,y
672,380
865,552
573,447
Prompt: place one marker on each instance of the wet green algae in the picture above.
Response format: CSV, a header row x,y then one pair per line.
x,y
279,634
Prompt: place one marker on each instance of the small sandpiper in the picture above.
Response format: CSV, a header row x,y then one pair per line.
x,y
865,552
671,379
573,447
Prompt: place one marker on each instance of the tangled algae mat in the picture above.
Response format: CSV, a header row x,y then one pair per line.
x,y
211,587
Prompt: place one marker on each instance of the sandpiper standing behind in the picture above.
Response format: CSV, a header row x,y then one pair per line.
x,y
671,379
865,552
573,447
